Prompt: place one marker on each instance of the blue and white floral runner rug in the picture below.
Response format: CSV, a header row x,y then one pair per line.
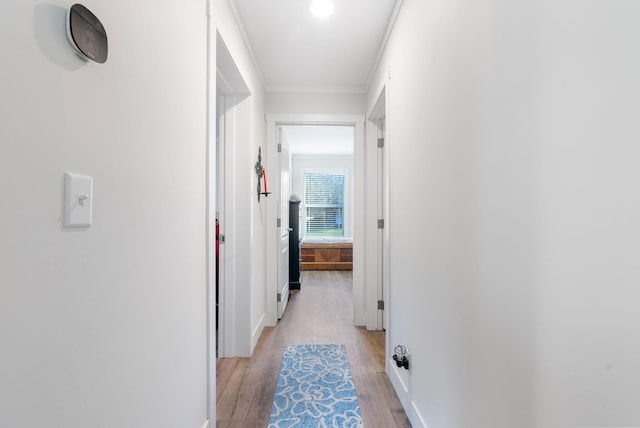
x,y
315,389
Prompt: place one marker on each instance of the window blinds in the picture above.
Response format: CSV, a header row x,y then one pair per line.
x,y
324,203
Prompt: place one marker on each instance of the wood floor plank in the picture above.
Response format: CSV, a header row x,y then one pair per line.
x,y
231,396
321,312
225,367
399,415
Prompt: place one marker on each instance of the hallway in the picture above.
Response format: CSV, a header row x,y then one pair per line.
x,y
320,313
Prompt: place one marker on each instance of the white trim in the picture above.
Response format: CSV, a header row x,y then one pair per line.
x,y
386,241
257,332
210,250
270,159
358,121
243,32
206,424
390,25
371,229
232,339
227,331
403,391
377,240
229,79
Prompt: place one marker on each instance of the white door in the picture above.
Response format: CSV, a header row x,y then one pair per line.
x,y
283,215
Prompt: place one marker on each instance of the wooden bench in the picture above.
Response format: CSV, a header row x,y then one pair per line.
x,y
326,256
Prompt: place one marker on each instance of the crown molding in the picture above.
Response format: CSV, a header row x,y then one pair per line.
x,y
385,39
243,33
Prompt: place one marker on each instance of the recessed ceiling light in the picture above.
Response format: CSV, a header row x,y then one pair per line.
x,y
322,8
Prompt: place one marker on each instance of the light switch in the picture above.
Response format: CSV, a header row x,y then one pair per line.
x,y
78,198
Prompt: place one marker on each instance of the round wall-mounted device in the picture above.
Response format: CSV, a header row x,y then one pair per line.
x,y
87,34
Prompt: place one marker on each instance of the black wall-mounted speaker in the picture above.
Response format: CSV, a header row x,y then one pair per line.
x,y
87,34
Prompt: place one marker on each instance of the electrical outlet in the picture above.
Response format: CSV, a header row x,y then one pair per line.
x,y
401,356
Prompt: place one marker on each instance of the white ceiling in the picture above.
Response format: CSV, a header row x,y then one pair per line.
x,y
319,139
297,52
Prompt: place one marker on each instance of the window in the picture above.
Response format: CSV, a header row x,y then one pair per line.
x,y
324,203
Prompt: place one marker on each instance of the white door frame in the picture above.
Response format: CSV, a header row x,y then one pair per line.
x,y
230,85
210,251
284,191
358,122
226,264
222,77
379,111
377,208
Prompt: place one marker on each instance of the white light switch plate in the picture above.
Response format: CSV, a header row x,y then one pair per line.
x,y
78,198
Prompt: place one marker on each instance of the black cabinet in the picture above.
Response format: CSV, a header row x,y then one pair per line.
x,y
295,274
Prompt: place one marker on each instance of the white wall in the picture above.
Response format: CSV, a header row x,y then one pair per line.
x,y
514,217
329,163
104,326
315,103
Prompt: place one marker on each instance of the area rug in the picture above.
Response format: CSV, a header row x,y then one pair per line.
x,y
315,389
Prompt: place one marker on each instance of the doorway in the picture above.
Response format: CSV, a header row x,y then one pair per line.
x,y
322,179
231,90
378,226
226,89
291,123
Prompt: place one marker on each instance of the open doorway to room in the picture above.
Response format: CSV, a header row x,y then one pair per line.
x,y
322,179
315,203
327,177
226,89
230,91
377,218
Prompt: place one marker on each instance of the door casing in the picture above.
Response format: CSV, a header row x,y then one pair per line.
x,y
377,209
284,190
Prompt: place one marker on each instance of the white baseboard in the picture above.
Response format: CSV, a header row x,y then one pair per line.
x,y
206,424
402,390
257,332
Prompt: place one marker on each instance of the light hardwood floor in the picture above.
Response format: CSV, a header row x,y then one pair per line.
x,y
322,312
